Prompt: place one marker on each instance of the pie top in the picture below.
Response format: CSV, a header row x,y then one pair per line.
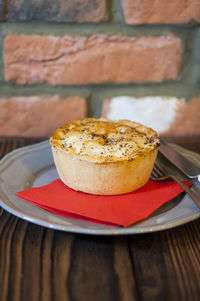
x,y
101,140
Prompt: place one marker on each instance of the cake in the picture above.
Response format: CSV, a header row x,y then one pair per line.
x,y
105,157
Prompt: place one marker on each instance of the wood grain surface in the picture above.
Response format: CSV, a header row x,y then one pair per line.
x,y
39,264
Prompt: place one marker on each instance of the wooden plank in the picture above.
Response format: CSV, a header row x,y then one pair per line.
x,y
8,144
124,269
15,255
168,263
42,264
183,254
94,271
148,266
190,143
7,228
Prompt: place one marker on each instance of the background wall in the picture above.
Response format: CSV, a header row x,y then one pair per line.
x,y
62,60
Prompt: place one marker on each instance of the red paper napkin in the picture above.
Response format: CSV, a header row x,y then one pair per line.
x,y
118,210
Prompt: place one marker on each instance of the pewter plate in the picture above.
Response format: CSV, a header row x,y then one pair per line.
x,y
33,166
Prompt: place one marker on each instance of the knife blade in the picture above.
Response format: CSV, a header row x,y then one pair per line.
x,y
186,166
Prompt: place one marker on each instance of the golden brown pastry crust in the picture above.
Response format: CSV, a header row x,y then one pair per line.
x,y
104,157
101,140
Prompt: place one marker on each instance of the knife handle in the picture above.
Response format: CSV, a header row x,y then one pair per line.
x,y
195,195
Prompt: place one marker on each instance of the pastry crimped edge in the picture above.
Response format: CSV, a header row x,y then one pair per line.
x,y
104,176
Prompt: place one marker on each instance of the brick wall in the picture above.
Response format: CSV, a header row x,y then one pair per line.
x,y
64,60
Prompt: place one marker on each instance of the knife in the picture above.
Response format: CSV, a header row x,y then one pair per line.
x,y
171,171
186,166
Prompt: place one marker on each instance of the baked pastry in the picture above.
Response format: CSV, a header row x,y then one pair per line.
x,y
101,156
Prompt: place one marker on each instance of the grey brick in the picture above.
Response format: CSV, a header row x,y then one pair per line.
x,y
57,10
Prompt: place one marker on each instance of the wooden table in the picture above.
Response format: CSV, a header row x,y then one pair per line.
x,y
46,265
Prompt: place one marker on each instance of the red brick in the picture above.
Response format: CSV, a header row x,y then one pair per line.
x,y
160,11
57,11
187,121
38,116
176,118
95,59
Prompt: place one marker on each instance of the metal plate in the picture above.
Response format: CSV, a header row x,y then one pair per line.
x,y
33,166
